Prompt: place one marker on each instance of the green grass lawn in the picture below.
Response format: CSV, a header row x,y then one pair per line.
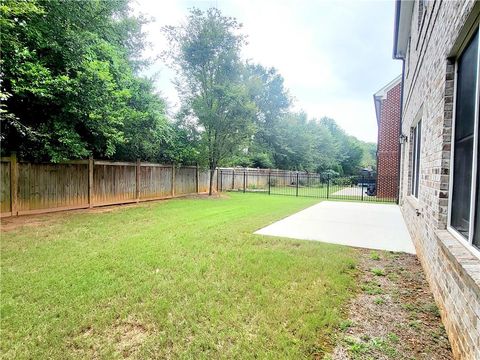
x,y
173,279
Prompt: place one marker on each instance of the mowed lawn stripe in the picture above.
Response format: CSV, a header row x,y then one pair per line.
x,y
175,279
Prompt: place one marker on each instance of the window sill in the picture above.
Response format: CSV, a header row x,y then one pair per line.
x,y
413,201
466,263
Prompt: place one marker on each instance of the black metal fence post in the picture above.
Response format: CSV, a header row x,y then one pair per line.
x,y
328,185
296,190
269,183
363,181
244,180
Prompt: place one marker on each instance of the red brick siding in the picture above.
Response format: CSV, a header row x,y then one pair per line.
x,y
388,144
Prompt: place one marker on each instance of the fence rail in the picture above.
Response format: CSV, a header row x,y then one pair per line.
x,y
29,188
323,186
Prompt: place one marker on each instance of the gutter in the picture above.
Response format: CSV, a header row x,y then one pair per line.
x,y
395,33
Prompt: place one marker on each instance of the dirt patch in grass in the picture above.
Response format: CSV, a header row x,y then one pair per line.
x,y
12,223
123,339
206,196
394,316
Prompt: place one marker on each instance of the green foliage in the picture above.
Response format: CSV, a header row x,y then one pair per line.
x,y
346,324
369,159
372,288
297,143
379,300
377,271
69,82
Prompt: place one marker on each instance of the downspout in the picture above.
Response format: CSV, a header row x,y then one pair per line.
x,y
400,133
396,56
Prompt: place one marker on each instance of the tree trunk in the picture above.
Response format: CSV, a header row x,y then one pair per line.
x,y
210,188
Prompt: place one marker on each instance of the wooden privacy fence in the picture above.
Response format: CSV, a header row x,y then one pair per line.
x,y
30,188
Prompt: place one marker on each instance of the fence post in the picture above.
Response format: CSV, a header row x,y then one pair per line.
x,y
269,182
244,180
90,181
233,179
328,185
13,184
218,174
137,180
363,180
173,180
197,182
296,190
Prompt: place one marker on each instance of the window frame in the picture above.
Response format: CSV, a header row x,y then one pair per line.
x,y
416,158
468,243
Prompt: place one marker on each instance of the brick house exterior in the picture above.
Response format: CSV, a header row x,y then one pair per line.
x,y
433,39
387,108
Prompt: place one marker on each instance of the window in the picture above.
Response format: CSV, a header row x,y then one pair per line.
x,y
417,147
465,181
421,11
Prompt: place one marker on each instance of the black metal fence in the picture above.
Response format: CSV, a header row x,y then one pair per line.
x,y
324,186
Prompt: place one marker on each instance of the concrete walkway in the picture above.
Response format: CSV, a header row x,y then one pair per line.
x,y
351,191
366,225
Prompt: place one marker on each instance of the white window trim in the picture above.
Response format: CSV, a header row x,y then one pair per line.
x,y
413,129
468,243
416,161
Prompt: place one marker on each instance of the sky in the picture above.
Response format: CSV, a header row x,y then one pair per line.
x,y
334,55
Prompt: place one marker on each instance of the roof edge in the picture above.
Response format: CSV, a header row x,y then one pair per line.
x,y
382,93
402,28
386,88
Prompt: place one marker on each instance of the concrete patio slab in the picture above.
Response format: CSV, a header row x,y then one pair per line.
x,y
365,225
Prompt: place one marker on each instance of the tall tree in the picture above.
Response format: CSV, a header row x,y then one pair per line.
x,y
349,151
205,52
267,89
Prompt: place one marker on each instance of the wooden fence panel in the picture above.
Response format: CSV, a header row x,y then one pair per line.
x,y
185,181
215,179
5,199
204,181
257,180
47,187
239,177
51,186
155,181
225,180
114,183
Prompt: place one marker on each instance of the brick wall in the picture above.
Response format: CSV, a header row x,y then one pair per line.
x,y
388,143
452,270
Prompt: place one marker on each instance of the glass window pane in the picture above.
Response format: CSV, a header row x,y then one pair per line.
x,y
414,159
463,142
462,180
476,234
417,161
466,91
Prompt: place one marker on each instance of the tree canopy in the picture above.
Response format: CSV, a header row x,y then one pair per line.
x,y
70,88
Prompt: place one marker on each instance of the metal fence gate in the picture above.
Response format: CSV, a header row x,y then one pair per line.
x,y
324,186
